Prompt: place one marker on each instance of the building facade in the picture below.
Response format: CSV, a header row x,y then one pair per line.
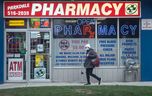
x,y
44,41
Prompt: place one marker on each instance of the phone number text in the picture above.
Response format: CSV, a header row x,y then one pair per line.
x,y
19,13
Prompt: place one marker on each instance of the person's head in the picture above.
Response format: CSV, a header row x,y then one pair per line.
x,y
87,47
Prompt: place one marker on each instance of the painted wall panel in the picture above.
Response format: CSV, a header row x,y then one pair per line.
x,y
146,46
74,75
1,43
146,56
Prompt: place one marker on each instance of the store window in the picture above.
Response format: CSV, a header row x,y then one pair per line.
x,y
116,39
69,38
107,41
129,39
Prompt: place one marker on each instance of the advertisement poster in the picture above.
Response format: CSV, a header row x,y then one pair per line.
x,y
39,73
107,50
44,23
39,60
70,52
40,48
15,68
15,23
35,34
46,36
129,49
35,22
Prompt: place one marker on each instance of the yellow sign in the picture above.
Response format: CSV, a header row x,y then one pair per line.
x,y
39,60
16,23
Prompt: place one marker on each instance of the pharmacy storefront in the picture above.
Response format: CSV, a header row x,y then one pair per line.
x,y
44,41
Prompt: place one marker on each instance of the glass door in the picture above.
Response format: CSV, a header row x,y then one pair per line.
x,y
39,55
15,56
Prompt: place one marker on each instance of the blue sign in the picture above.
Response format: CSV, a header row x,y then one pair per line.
x,y
73,28
107,49
129,49
129,28
107,28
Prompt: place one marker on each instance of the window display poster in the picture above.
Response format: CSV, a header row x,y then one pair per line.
x,y
70,52
46,36
35,34
15,68
40,48
39,73
35,22
15,23
107,50
129,48
44,23
39,60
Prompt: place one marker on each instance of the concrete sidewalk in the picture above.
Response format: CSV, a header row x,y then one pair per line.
x,y
19,85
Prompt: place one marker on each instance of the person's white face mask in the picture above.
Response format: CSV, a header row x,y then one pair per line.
x,y
86,48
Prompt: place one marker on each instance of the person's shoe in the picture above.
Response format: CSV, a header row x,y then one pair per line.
x,y
87,84
99,81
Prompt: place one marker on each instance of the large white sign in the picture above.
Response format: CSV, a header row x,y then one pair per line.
x,y
15,69
107,50
70,52
129,48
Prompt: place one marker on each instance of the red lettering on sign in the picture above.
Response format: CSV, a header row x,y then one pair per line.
x,y
15,66
87,31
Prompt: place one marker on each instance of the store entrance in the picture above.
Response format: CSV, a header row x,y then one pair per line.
x,y
39,55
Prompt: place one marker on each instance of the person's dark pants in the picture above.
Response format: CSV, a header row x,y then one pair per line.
x,y
89,73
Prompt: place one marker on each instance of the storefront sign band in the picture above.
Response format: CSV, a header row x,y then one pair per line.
x,y
71,9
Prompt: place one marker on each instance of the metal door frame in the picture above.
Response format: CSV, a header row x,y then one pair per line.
x,y
29,57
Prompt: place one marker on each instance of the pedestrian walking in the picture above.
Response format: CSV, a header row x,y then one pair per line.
x,y
90,55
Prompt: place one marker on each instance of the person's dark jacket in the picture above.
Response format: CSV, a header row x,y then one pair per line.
x,y
90,54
